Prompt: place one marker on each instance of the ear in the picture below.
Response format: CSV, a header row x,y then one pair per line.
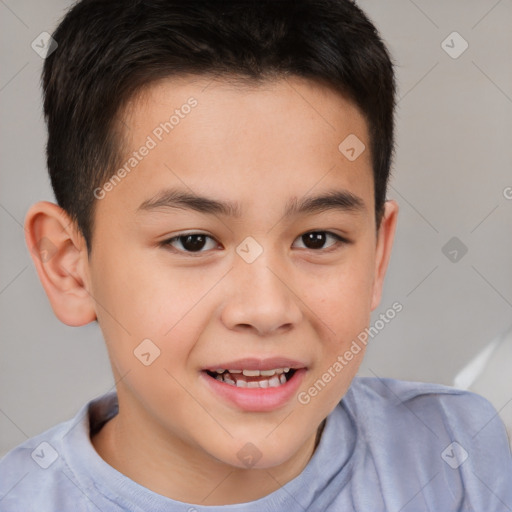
x,y
385,237
60,256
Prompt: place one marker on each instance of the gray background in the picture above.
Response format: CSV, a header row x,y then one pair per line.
x,y
453,163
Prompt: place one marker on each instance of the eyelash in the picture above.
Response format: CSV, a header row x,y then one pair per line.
x,y
340,241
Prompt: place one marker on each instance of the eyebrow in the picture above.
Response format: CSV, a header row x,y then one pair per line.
x,y
341,200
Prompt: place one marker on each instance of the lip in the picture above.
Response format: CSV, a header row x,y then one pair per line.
x,y
252,363
257,399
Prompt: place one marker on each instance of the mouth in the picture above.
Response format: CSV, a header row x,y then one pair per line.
x,y
272,378
253,384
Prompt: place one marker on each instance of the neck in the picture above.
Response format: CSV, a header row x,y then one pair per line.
x,y
175,469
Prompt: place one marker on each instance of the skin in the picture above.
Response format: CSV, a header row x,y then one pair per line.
x,y
261,146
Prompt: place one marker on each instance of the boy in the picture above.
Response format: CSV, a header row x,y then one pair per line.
x,y
263,132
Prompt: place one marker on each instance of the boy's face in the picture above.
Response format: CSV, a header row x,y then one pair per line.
x,y
255,286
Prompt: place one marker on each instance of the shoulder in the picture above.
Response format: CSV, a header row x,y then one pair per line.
x,y
30,472
392,388
442,410
385,393
39,471
414,431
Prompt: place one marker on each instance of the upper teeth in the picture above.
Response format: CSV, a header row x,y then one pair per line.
x,y
257,373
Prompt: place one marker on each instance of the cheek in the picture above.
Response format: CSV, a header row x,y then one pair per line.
x,y
126,296
137,291
146,300
342,302
342,297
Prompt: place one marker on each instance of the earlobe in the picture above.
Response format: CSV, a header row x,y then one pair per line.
x,y
385,237
59,254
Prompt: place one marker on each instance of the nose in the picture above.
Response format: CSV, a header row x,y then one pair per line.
x,y
261,298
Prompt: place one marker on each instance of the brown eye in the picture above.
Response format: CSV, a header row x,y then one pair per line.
x,y
194,243
316,240
190,242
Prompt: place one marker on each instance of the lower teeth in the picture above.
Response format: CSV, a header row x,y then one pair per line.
x,y
273,382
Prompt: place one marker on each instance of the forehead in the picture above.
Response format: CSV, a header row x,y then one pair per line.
x,y
271,141
316,103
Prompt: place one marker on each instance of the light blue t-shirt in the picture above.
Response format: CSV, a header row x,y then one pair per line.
x,y
389,445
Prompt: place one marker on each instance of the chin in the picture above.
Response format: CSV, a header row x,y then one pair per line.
x,y
257,454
